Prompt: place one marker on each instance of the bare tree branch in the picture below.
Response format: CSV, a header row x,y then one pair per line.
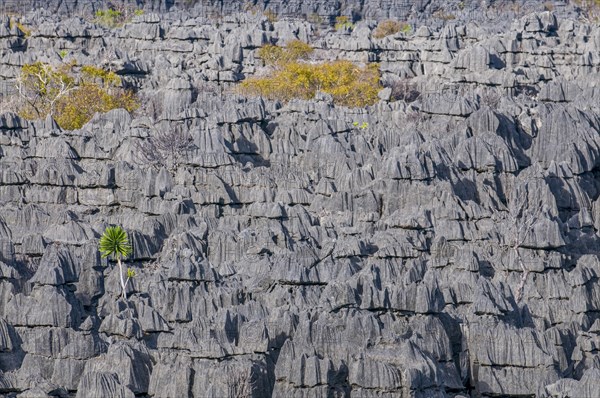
x,y
241,384
522,218
166,149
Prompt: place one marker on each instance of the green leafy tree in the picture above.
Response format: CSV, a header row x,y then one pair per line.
x,y
114,243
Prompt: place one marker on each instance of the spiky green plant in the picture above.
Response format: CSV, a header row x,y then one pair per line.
x,y
115,243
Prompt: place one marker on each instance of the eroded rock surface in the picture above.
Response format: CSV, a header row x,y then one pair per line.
x,y
447,249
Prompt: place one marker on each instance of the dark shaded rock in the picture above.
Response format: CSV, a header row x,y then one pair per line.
x,y
46,306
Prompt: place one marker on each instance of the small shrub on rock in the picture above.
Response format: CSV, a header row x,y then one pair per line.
x,y
271,54
165,148
589,9
20,26
390,27
101,76
116,17
314,18
69,94
343,23
274,55
348,84
444,16
76,109
270,15
40,86
404,90
297,49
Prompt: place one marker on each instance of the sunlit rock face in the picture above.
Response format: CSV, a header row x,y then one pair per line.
x,y
440,243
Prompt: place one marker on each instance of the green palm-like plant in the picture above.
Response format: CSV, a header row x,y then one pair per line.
x,y
115,243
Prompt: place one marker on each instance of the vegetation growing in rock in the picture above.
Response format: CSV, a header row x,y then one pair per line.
x,y
361,126
443,15
256,10
403,90
165,148
590,9
348,84
291,77
101,76
390,27
270,15
69,94
114,243
314,19
295,50
24,29
343,23
116,17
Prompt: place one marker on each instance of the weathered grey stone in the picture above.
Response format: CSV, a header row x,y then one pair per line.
x,y
56,267
123,324
121,356
586,387
60,343
171,380
102,384
6,336
46,306
440,245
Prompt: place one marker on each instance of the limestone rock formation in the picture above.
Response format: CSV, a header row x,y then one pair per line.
x,y
447,249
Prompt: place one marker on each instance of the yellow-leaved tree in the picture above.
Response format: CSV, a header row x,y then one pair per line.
x,y
70,94
293,75
349,84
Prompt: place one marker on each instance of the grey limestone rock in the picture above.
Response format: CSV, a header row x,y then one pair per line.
x,y
171,380
442,242
102,384
45,306
586,387
448,105
119,356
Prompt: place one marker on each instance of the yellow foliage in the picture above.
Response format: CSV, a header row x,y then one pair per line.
x,y
77,108
293,51
39,86
343,22
270,54
348,84
314,19
108,78
297,49
270,15
97,99
116,18
26,31
390,27
71,98
13,21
